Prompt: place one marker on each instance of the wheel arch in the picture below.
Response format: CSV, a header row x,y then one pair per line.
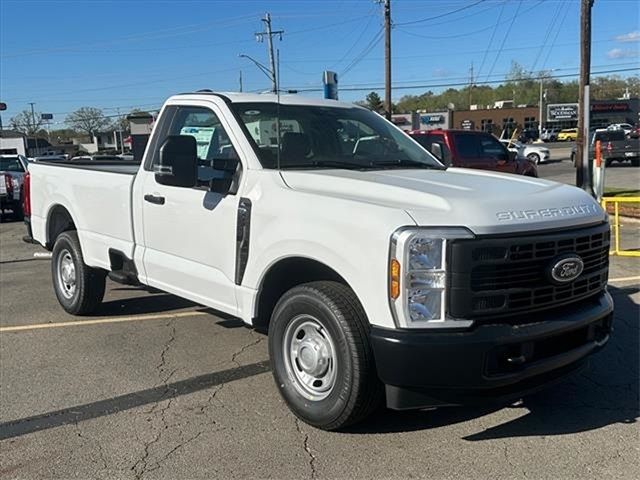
x,y
59,220
284,274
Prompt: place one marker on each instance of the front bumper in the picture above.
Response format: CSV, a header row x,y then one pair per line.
x,y
493,362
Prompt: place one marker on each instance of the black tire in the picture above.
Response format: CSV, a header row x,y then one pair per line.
x,y
534,157
356,390
18,213
608,162
635,162
88,283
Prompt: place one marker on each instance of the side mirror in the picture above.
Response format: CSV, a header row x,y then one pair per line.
x,y
436,150
224,183
178,162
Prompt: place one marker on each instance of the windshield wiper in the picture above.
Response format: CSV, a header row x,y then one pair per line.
x,y
402,162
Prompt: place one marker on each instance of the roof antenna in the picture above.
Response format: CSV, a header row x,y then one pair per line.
x,y
277,75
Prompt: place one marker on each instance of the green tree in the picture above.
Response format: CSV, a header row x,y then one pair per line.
x,y
374,102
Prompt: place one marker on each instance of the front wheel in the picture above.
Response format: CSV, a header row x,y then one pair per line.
x,y
79,288
534,157
321,357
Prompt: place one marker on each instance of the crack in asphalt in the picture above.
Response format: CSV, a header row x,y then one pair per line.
x,y
236,354
144,465
307,449
85,440
140,467
158,463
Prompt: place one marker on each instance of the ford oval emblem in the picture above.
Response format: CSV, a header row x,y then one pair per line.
x,y
566,269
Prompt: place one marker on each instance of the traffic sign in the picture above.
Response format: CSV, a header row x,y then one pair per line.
x,y
46,116
3,106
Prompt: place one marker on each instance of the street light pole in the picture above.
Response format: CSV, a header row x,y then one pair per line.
x,y
261,67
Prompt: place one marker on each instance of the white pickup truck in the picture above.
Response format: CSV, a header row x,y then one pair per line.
x,y
380,274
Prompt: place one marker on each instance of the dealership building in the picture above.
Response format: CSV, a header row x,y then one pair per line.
x,y
504,117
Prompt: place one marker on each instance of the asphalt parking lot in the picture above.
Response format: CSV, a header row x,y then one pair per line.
x,y
560,169
157,387
154,386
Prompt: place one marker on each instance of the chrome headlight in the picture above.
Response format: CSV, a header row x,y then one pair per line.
x,y
418,277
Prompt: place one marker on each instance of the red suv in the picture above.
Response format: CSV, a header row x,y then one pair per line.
x,y
472,149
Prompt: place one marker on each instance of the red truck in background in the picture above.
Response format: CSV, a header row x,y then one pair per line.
x,y
472,149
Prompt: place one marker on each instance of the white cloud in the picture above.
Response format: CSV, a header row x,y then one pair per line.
x,y
620,53
629,37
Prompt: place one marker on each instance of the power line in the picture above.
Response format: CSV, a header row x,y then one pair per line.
x,y
443,14
552,24
493,33
504,40
553,43
466,34
370,46
459,84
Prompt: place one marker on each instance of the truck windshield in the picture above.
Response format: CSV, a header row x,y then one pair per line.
x,y
328,137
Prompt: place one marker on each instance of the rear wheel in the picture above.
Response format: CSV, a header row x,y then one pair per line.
x,y
635,162
534,157
321,357
79,288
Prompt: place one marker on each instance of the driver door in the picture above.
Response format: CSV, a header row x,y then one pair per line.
x,y
190,233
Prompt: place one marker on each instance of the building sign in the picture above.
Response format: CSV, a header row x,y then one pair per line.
x,y
562,111
610,107
46,116
431,119
467,124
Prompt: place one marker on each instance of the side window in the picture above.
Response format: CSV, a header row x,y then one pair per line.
x,y
492,148
467,146
212,140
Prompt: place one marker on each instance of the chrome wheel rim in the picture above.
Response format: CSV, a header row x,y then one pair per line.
x,y
66,273
310,357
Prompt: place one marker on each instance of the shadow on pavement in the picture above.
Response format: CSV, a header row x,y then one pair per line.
x,y
121,403
605,393
157,303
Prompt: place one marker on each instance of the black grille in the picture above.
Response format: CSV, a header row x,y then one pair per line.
x,y
508,275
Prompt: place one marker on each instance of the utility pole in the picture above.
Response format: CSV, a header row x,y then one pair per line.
x,y
470,83
387,59
272,59
33,122
240,80
583,167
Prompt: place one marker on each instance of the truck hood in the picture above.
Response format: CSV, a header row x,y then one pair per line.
x,y
483,201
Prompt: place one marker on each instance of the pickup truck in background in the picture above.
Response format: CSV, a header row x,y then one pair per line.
x,y
380,274
473,149
616,146
12,171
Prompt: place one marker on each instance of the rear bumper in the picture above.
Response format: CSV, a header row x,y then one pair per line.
x,y
490,363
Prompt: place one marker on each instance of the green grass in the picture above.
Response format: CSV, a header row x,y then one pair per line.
x,y
620,192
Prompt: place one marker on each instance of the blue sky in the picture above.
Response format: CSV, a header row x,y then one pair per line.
x,y
134,53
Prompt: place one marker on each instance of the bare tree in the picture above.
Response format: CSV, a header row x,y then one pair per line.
x,y
26,123
87,119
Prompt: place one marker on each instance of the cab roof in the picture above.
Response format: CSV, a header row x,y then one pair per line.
x,y
284,99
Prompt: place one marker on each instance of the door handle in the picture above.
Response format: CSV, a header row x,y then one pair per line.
x,y
154,199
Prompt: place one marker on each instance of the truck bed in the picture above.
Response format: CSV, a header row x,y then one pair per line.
x,y
103,189
124,167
